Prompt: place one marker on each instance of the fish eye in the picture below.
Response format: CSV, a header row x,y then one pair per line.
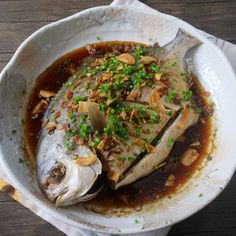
x,y
56,174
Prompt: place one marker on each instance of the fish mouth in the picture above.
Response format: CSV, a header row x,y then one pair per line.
x,y
63,200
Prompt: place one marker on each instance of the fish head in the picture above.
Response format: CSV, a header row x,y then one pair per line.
x,y
66,181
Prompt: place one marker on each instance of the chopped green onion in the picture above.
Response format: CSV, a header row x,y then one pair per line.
x,y
99,38
154,68
170,141
170,96
187,95
95,142
85,130
139,51
77,99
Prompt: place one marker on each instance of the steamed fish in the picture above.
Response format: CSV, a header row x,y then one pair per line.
x,y
116,114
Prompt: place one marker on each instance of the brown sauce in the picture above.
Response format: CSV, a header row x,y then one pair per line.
x,y
152,187
146,189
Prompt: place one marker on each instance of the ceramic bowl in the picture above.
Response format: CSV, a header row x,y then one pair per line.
x,y
127,23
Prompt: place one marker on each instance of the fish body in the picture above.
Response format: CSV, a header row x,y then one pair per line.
x,y
116,114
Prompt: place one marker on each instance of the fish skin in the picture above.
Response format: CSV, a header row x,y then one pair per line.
x,y
148,163
114,173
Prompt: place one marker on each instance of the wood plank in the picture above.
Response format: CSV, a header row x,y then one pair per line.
x,y
21,18
16,218
2,65
5,198
13,34
4,58
43,10
216,18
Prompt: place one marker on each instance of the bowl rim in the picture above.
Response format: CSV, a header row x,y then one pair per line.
x,y
39,202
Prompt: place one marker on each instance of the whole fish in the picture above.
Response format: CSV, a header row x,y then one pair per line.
x,y
117,113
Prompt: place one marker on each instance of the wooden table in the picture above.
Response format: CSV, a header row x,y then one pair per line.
x,y
19,18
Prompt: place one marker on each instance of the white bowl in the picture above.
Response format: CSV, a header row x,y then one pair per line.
x,y
129,24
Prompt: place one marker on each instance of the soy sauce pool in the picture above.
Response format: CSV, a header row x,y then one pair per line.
x,y
146,189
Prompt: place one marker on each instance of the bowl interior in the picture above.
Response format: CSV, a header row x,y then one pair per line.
x,y
117,23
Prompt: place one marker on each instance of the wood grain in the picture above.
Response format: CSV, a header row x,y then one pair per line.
x,y
20,18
